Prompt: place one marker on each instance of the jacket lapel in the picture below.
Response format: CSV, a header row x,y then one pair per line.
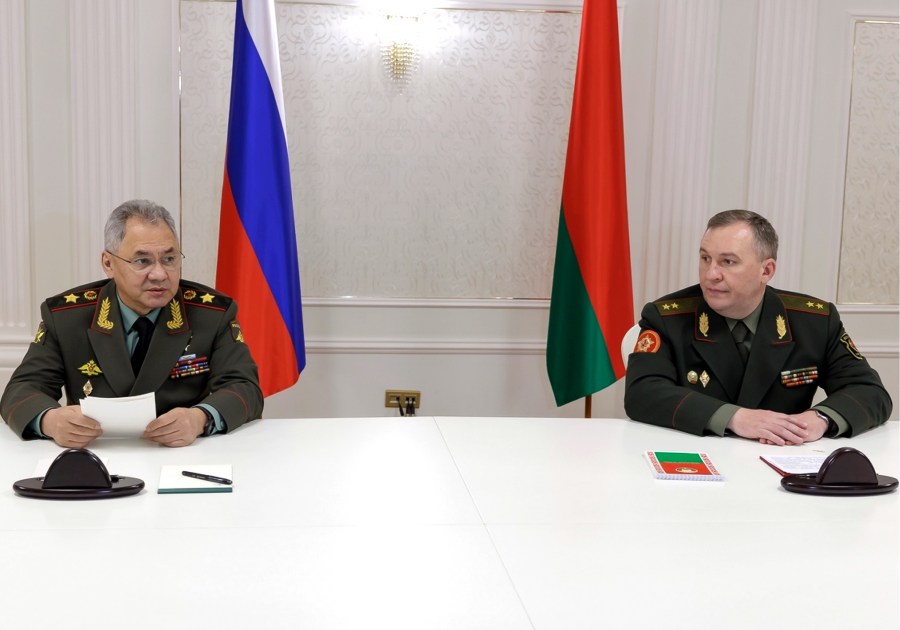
x,y
107,340
170,336
713,342
772,345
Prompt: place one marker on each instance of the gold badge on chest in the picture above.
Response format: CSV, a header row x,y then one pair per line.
x,y
90,368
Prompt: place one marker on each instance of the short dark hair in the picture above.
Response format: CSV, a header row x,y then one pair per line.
x,y
765,241
146,211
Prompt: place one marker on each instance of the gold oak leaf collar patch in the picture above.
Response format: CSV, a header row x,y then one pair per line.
x,y
780,326
704,324
177,320
103,316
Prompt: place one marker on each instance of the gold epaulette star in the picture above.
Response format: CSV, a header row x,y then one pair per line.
x,y
819,306
71,298
207,298
809,304
666,307
675,305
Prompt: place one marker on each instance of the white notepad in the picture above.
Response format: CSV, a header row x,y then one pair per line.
x,y
171,481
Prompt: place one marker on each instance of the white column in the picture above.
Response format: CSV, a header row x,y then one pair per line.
x,y
682,141
103,36
780,126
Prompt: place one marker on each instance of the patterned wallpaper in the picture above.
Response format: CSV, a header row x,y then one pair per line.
x,y
447,187
870,252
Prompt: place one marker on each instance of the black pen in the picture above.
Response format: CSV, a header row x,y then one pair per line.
x,y
212,478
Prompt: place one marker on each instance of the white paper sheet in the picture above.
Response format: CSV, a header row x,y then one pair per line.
x,y
794,464
121,417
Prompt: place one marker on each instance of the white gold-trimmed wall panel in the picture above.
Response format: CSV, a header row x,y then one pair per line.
x,y
15,307
450,188
870,251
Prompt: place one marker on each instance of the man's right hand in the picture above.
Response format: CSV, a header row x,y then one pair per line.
x,y
770,427
69,427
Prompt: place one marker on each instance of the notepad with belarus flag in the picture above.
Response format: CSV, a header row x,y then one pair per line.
x,y
173,481
682,466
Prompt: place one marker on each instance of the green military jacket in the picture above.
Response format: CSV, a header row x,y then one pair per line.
x,y
197,355
686,365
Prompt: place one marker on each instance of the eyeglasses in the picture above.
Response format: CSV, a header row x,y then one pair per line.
x,y
169,262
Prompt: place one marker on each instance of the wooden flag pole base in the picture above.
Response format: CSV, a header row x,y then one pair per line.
x,y
587,406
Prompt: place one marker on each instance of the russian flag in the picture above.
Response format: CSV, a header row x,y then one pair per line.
x,y
257,261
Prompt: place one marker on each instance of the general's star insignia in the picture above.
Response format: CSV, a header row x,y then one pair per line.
x,y
207,298
819,306
71,298
666,307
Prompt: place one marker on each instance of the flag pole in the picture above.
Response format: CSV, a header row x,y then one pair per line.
x,y
587,406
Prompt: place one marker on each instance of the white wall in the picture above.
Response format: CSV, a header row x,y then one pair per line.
x,y
727,104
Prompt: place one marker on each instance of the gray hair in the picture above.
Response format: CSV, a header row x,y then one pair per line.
x,y
765,239
146,211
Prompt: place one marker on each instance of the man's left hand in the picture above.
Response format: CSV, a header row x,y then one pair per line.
x,y
815,426
177,427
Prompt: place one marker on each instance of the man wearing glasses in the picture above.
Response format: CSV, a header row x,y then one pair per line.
x,y
143,329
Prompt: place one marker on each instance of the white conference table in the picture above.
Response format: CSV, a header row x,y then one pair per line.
x,y
451,523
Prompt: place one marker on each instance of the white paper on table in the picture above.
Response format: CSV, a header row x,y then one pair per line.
x,y
794,464
127,416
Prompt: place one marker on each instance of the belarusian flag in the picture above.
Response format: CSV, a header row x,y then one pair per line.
x,y
591,304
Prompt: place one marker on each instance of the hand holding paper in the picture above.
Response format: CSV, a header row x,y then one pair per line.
x,y
69,427
121,417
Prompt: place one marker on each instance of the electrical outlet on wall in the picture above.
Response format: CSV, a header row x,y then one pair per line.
x,y
397,397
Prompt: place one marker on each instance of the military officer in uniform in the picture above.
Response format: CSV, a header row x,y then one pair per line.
x,y
143,329
732,354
